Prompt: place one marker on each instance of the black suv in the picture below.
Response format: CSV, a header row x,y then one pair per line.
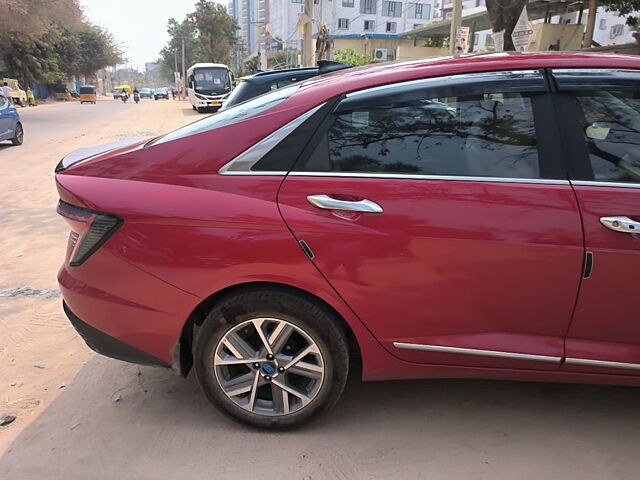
x,y
263,82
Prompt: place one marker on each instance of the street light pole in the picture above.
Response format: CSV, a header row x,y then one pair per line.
x,y
456,21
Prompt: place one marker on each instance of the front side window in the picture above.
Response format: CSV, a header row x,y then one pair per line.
x,y
232,115
610,121
391,9
485,135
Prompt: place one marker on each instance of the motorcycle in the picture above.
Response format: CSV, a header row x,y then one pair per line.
x,y
136,97
124,98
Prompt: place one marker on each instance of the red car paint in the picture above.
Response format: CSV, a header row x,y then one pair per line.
x,y
489,266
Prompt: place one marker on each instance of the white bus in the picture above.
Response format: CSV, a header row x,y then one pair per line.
x,y
207,84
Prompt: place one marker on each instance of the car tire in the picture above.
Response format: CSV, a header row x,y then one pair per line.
x,y
18,135
23,103
194,107
291,325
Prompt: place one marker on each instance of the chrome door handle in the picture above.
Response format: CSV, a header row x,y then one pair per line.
x,y
328,203
621,224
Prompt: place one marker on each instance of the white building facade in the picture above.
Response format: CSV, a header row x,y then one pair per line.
x,y
343,17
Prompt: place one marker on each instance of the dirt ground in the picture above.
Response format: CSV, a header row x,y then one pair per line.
x,y
80,415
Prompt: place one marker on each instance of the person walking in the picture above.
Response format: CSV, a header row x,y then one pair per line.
x,y
31,98
6,91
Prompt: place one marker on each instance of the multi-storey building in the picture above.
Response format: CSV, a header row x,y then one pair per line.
x,y
252,18
351,16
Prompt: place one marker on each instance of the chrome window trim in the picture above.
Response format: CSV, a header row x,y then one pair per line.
x,y
427,82
244,162
477,352
592,71
595,183
400,176
601,363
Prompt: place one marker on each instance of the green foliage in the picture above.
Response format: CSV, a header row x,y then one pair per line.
x,y
625,8
287,58
209,35
60,51
349,55
251,66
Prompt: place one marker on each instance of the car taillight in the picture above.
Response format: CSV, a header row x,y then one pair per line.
x,y
89,230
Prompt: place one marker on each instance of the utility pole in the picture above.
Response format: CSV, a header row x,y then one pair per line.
x,y
307,49
184,80
456,22
591,24
175,69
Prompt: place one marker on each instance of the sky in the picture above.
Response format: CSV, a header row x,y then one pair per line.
x,y
139,26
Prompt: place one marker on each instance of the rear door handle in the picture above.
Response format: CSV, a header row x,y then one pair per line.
x,y
327,203
621,224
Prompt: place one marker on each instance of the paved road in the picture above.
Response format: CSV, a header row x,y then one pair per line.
x,y
58,120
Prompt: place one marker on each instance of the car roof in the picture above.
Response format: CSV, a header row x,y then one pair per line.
x,y
343,81
273,75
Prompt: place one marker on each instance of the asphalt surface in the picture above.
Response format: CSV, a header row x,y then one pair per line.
x,y
57,120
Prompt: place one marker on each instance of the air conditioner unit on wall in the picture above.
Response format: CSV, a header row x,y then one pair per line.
x,y
380,54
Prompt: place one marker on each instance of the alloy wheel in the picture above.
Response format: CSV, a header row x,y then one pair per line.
x,y
269,366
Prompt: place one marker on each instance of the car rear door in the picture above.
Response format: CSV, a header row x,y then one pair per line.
x,y
601,120
440,211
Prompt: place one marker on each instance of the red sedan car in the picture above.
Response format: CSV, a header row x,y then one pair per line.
x,y
469,217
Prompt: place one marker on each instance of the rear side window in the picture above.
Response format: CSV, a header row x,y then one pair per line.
x,y
232,115
485,135
610,123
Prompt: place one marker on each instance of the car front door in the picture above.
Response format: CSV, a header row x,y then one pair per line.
x,y
601,111
440,211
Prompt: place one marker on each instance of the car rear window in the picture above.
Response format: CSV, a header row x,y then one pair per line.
x,y
234,114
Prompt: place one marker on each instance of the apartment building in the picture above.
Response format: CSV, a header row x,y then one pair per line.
x,y
344,17
252,18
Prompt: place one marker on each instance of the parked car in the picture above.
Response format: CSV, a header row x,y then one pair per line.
x,y
253,85
471,217
161,93
145,93
10,124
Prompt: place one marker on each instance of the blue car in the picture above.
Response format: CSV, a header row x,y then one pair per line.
x,y
10,125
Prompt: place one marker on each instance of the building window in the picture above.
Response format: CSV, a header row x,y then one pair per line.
x,y
616,30
392,9
476,41
367,6
369,25
348,3
343,24
297,1
316,2
417,25
391,27
419,10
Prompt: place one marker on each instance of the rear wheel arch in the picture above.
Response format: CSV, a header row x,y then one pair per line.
x,y
183,351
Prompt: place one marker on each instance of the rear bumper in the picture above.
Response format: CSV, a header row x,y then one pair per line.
x,y
108,346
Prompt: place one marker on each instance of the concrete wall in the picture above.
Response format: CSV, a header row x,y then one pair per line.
x,y
553,36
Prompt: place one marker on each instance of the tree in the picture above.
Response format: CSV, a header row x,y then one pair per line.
x,y
209,35
59,52
215,32
503,15
349,55
31,17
